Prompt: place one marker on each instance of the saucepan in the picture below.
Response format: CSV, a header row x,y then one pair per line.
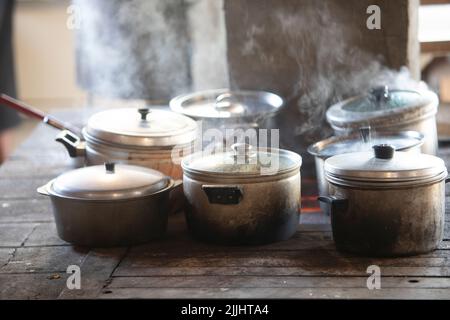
x,y
110,205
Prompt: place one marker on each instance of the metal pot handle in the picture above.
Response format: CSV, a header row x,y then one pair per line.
x,y
223,194
72,142
447,180
335,205
44,189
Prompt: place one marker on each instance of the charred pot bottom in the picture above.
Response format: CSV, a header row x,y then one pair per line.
x,y
389,222
255,213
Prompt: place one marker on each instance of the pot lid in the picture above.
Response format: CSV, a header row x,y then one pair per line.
x,y
364,141
226,103
141,127
380,102
242,161
384,164
109,182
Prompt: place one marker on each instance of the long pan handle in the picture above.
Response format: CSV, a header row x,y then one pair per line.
x,y
35,113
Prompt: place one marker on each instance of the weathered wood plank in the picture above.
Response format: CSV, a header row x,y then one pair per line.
x,y
354,270
44,259
26,210
31,286
44,234
273,282
14,234
20,188
5,255
47,167
95,273
286,293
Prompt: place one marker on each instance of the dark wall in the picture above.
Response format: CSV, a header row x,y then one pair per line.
x,y
315,53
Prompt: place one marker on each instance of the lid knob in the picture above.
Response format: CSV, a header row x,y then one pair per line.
x,y
384,151
144,112
365,133
228,102
242,151
381,94
110,167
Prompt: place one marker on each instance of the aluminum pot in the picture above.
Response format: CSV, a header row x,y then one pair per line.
x,y
111,205
389,110
386,203
230,111
407,141
243,196
144,137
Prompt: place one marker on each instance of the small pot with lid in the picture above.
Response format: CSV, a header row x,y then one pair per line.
x,y
242,196
229,109
407,141
386,109
386,203
110,205
144,137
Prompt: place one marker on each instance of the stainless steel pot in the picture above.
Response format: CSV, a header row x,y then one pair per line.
x,y
407,141
111,205
234,110
143,137
243,196
389,110
387,203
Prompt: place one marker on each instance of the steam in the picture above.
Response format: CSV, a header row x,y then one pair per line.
x,y
133,49
317,38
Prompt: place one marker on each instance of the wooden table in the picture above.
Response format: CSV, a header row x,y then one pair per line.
x,y
33,260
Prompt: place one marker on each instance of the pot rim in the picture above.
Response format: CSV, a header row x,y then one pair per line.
x,y
90,140
176,104
336,117
47,190
315,148
383,184
168,138
243,176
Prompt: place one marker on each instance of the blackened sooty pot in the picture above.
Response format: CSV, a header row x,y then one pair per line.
x,y
243,196
386,203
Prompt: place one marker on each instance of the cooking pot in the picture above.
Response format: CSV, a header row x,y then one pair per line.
x,y
386,203
110,205
242,196
408,141
224,109
389,110
144,137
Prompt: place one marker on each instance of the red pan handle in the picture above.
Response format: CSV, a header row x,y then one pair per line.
x,y
35,113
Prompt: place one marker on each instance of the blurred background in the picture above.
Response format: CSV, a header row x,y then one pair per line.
x,y
45,54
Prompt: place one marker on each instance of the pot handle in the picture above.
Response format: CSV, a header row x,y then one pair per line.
x,y
72,142
223,194
447,180
44,189
334,204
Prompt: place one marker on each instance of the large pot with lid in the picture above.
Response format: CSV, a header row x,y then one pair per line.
x,y
407,141
243,196
110,205
143,137
386,109
386,203
224,109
